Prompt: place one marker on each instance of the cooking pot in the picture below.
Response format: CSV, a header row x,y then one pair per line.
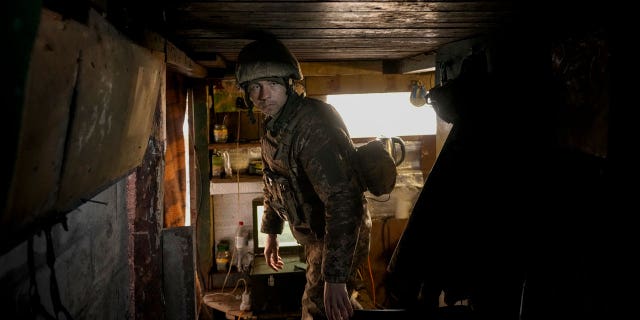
x,y
390,146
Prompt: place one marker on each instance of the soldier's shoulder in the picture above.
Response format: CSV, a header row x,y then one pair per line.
x,y
317,109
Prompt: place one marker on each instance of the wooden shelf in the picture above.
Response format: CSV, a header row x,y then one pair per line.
x,y
243,178
233,145
228,186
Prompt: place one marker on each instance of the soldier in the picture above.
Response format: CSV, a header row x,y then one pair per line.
x,y
309,180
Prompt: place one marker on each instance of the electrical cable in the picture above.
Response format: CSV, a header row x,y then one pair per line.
x,y
200,203
224,283
373,287
244,282
245,297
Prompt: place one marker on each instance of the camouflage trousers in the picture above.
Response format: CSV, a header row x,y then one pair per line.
x,y
313,296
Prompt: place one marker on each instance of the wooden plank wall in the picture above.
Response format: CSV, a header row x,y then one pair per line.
x,y
86,118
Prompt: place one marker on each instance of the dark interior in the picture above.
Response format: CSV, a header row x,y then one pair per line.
x,y
526,210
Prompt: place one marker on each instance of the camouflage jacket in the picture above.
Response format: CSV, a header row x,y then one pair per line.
x,y
309,180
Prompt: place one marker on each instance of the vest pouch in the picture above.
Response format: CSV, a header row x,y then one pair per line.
x,y
283,199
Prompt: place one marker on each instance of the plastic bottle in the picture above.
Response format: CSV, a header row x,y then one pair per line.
x,y
242,239
222,255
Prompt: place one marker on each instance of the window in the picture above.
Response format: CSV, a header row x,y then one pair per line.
x,y
383,114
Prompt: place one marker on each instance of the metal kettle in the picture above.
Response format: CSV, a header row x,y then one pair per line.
x,y
390,146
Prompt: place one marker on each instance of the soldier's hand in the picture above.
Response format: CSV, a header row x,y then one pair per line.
x,y
271,252
337,304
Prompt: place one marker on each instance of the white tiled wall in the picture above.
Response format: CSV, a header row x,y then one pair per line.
x,y
230,207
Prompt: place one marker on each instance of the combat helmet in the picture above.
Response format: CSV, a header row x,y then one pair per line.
x,y
266,58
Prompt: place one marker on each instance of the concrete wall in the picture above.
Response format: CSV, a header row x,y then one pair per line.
x,y
90,265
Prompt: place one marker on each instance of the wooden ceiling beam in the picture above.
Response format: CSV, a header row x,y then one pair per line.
x,y
175,58
417,64
341,68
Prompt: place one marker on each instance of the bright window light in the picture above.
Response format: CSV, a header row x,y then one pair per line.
x,y
185,135
383,114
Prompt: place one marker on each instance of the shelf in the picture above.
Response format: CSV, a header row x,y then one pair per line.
x,y
233,145
243,178
229,186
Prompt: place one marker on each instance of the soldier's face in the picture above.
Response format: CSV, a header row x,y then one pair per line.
x,y
267,96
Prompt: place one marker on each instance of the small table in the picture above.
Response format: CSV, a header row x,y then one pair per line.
x,y
230,305
227,303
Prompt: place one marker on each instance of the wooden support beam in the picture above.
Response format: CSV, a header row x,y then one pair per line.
x,y
175,58
417,64
341,68
215,62
365,83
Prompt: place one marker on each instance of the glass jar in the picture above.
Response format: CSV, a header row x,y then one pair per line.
x,y
222,256
220,133
217,165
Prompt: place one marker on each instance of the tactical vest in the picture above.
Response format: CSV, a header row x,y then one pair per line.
x,y
292,196
374,168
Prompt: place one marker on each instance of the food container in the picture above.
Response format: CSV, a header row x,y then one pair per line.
x,y
220,133
255,167
217,165
238,160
